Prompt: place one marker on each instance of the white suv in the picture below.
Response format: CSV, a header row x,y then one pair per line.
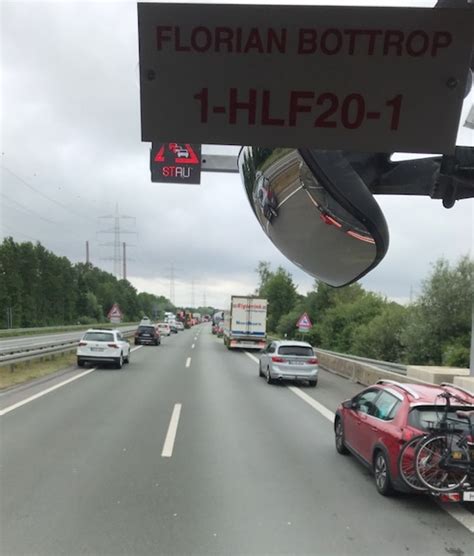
x,y
101,345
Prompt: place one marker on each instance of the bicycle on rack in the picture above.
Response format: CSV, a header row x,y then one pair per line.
x,y
406,463
444,458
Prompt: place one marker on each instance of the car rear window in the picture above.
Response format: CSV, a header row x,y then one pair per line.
x,y
424,418
147,329
99,337
302,351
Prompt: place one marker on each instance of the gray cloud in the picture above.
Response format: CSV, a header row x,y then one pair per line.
x,y
71,130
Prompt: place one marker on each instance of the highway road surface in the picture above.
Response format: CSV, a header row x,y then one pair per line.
x,y
187,451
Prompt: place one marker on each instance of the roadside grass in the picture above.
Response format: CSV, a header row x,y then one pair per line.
x,y
12,332
19,373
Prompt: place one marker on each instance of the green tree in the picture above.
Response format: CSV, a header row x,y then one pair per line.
x,y
278,288
337,329
439,323
380,338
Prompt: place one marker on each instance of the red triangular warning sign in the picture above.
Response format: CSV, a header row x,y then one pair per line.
x,y
160,155
184,155
304,321
115,311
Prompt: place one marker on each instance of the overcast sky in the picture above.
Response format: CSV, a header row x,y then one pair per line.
x,y
71,150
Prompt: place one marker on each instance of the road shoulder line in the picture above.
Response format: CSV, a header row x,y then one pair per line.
x,y
50,389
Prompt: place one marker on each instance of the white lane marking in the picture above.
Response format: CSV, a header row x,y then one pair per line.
x,y
44,392
308,399
313,403
192,347
256,359
460,514
171,434
188,362
51,389
457,512
195,338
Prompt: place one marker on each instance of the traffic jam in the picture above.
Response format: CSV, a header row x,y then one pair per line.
x,y
413,438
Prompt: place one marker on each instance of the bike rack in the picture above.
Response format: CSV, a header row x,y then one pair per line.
x,y
400,385
458,388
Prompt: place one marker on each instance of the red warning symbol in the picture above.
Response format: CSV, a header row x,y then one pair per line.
x,y
182,154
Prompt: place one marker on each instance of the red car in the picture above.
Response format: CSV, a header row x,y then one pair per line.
x,y
375,424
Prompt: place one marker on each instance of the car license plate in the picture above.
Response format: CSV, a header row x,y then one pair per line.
x,y
97,349
296,362
468,496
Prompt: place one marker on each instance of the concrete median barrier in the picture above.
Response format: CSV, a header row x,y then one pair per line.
x,y
435,375
362,373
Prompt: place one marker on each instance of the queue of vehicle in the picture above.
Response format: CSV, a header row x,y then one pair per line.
x,y
109,346
407,435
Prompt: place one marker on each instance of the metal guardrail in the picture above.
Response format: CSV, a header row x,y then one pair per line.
x,y
11,356
394,367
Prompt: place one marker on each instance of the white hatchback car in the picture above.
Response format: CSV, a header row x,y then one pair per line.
x,y
102,345
164,328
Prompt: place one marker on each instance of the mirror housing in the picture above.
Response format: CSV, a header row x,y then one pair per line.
x,y
316,209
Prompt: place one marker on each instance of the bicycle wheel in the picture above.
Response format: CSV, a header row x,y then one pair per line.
x,y
436,450
406,464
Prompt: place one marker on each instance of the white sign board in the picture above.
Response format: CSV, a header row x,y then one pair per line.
x,y
365,79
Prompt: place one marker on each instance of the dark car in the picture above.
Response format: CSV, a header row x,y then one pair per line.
x,y
147,334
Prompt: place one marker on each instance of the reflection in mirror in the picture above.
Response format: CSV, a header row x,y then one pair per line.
x,y
316,210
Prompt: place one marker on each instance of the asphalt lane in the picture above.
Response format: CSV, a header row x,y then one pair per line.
x,y
253,468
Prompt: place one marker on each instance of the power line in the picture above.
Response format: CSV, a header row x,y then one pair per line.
x,y
171,271
50,199
13,233
27,210
117,231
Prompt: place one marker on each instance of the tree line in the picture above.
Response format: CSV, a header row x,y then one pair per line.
x,y
40,288
433,329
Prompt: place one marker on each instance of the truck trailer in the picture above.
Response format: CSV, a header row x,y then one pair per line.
x,y
245,324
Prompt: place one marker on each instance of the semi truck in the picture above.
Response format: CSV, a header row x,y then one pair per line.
x,y
245,324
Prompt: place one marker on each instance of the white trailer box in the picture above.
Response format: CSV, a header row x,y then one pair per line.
x,y
245,325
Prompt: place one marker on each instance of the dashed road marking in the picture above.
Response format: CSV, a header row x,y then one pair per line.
x,y
188,362
457,512
168,445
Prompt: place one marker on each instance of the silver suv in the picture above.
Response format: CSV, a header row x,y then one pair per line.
x,y
288,360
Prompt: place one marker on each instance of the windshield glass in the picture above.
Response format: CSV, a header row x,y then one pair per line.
x,y
99,337
122,210
147,329
424,418
296,350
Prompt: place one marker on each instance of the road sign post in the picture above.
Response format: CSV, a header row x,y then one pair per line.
x,y
304,323
115,315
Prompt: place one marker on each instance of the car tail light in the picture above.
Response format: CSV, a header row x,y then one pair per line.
x,y
83,343
312,361
451,497
112,346
408,434
276,359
